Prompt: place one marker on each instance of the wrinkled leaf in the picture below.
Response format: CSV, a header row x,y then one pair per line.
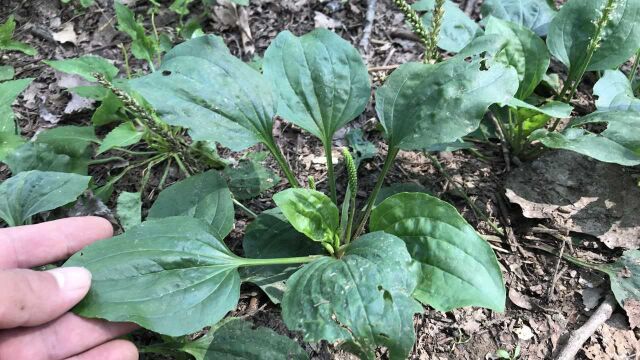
x,y
363,299
250,178
532,14
310,212
168,275
616,144
457,28
575,25
9,91
362,149
614,92
129,209
204,196
31,192
422,105
525,51
320,78
34,156
202,87
235,339
85,66
271,236
70,140
122,136
458,267
7,42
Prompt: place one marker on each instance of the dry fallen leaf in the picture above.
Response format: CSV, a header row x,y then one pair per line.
x,y
67,34
323,21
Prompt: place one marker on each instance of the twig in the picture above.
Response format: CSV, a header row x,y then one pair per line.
x,y
555,273
578,338
383,68
368,24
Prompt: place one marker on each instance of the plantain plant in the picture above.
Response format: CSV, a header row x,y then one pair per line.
x,y
351,276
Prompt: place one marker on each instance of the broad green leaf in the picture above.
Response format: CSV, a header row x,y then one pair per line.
x,y
235,339
532,14
362,149
363,298
85,66
129,209
457,28
310,212
250,178
534,117
575,25
9,91
624,275
7,42
320,78
6,72
34,156
70,140
525,51
270,235
422,105
94,92
458,266
143,47
107,112
202,87
168,275
617,144
397,188
614,92
8,143
204,196
122,136
31,192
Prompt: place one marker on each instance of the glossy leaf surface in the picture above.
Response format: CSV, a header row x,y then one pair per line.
x,y
364,298
32,192
168,275
310,212
202,87
422,105
458,266
123,135
525,51
320,78
204,196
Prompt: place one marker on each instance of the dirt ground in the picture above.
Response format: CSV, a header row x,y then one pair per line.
x,y
547,298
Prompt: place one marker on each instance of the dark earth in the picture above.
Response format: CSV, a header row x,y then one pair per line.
x,y
547,298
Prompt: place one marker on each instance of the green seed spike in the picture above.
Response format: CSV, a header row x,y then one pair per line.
x,y
352,172
312,182
416,23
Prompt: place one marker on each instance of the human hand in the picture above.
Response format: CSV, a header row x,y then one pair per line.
x,y
34,319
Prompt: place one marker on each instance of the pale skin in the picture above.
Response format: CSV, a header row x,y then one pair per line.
x,y
35,317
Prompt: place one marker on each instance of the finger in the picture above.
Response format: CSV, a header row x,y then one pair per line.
x,y
30,298
64,337
113,350
40,244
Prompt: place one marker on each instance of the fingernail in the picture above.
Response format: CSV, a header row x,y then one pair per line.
x,y
72,278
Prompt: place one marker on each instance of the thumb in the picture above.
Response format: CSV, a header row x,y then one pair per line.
x,y
30,298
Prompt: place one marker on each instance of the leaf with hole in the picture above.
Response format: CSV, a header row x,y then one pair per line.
x,y
362,299
458,267
422,105
202,87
